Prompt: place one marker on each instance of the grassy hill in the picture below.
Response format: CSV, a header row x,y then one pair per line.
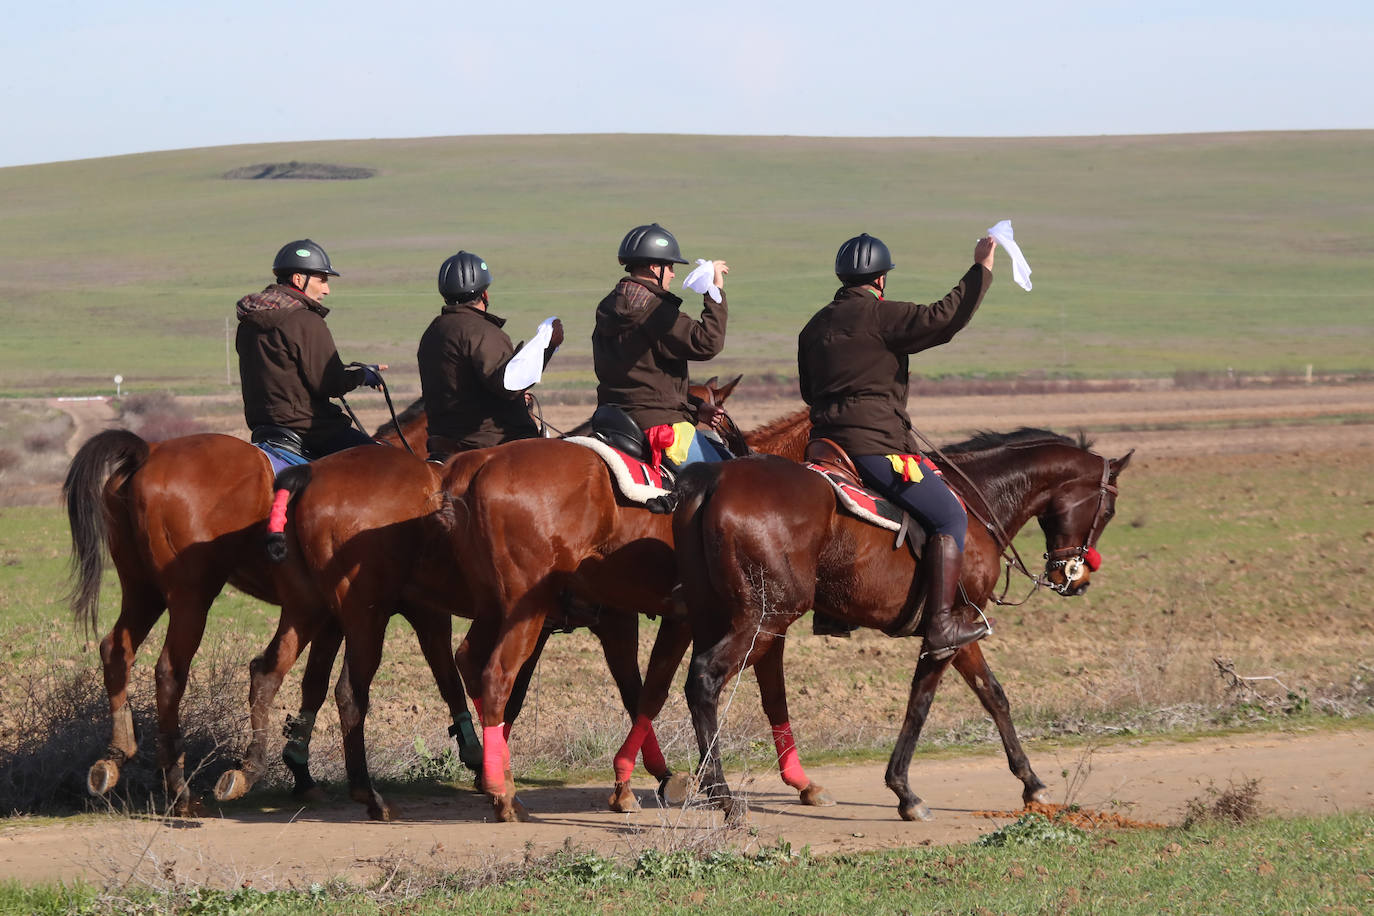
x,y
1151,254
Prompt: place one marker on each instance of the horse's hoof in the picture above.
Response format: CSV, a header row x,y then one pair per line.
x,y
816,797
232,784
313,796
674,788
382,811
103,776
736,811
1039,796
507,809
622,800
916,812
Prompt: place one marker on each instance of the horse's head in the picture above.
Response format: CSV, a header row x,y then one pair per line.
x,y
1073,520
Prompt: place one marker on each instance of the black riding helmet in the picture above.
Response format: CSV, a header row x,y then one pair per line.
x,y
463,277
647,244
861,259
303,257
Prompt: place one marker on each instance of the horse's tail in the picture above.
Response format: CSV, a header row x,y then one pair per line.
x,y
285,488
695,487
112,455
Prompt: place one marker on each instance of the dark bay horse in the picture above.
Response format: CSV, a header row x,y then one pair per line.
x,y
541,519
761,541
180,519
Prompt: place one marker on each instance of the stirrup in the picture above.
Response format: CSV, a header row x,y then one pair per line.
x,y
825,625
662,505
979,631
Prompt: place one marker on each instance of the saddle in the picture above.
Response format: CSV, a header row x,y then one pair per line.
x,y
635,479
614,427
283,447
829,460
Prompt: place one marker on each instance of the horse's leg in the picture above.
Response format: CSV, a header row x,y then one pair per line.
x,y
926,678
362,656
185,627
773,691
295,629
513,647
435,634
710,670
674,636
140,607
266,672
970,662
324,648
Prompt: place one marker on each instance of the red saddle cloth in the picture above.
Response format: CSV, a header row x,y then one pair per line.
x,y
642,473
862,503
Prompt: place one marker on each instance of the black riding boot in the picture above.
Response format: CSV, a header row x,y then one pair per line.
x,y
946,632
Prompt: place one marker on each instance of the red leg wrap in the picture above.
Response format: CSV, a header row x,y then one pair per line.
x,y
625,757
789,764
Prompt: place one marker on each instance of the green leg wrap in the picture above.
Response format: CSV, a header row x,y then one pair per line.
x,y
469,746
298,731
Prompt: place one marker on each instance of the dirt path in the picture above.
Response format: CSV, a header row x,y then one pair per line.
x,y
89,416
1299,774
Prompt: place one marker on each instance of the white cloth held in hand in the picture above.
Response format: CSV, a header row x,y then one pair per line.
x,y
527,367
700,280
1020,270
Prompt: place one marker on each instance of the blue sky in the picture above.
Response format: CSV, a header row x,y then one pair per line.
x,y
84,79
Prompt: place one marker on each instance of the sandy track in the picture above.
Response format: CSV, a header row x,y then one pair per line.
x,y
1299,774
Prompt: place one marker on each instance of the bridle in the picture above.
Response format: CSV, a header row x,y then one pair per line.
x,y
1073,559
1070,559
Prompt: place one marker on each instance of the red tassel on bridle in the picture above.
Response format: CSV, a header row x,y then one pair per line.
x,y
1093,559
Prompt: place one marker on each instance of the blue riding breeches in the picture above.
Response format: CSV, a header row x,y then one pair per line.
x,y
927,497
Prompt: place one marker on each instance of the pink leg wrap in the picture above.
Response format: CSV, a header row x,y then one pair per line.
x,y
653,755
789,764
495,756
625,757
276,519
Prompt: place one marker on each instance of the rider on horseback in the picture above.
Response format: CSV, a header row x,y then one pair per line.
x,y
853,362
289,367
463,356
642,344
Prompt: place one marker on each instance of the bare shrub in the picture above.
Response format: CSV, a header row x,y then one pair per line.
x,y
59,724
1236,804
159,415
9,460
42,441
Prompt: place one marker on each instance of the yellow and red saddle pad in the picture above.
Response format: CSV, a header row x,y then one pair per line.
x,y
861,503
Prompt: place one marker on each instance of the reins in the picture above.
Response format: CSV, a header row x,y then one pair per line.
x,y
993,527
386,393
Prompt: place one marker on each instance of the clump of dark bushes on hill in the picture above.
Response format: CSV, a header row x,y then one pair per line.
x,y
158,416
303,171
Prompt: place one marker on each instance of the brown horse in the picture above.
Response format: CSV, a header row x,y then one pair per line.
x,y
541,519
373,528
761,541
180,518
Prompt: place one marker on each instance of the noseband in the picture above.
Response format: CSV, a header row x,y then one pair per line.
x,y
1073,559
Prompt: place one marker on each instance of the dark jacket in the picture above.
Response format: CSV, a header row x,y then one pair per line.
x,y
641,347
852,357
463,356
288,365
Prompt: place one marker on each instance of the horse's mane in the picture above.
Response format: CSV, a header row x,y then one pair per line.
x,y
404,418
1025,437
783,424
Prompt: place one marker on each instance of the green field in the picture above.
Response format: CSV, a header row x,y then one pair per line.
x,y
1151,254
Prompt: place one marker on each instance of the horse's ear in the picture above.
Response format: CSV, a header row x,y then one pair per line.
x,y
724,391
711,382
1119,464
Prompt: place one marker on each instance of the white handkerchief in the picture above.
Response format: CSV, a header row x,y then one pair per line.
x,y
700,279
1020,270
527,367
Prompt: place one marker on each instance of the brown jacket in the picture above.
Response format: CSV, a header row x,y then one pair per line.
x,y
288,365
641,347
852,357
463,356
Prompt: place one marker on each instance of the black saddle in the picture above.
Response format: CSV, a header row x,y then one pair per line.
x,y
614,427
288,440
